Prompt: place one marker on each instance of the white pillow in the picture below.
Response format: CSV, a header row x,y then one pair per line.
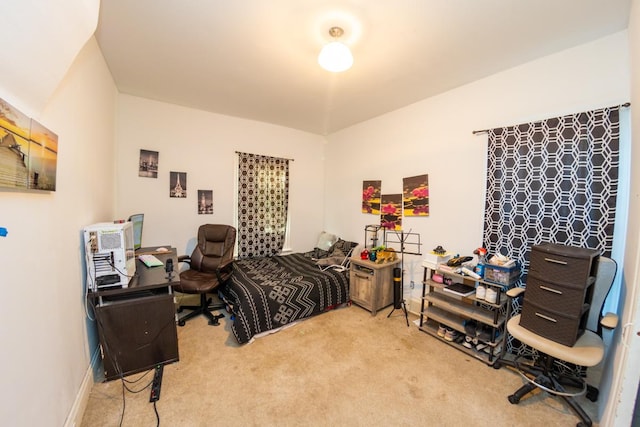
x,y
326,240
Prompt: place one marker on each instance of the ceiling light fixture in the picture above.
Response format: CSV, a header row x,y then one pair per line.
x,y
335,56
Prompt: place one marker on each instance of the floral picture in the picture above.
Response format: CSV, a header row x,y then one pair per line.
x,y
416,195
205,202
391,212
178,184
371,197
148,165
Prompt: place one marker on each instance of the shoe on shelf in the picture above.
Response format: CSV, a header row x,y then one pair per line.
x,y
491,294
450,334
441,331
481,292
470,327
468,341
481,346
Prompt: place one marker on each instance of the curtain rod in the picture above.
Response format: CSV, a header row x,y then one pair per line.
x,y
476,132
273,157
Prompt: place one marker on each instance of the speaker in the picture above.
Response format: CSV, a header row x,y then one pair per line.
x,y
137,334
397,287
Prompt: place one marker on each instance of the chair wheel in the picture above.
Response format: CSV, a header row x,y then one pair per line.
x,y
513,399
497,365
592,393
180,322
581,424
179,310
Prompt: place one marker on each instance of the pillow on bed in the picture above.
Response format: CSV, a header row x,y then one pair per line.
x,y
336,258
326,241
343,246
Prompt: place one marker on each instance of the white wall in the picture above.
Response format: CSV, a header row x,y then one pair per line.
x,y
204,145
45,355
435,137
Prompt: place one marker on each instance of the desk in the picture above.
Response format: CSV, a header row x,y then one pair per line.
x,y
137,324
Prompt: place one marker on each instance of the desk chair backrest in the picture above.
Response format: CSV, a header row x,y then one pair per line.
x,y
215,245
606,272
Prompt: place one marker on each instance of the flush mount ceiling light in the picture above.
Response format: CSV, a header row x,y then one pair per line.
x,y
335,56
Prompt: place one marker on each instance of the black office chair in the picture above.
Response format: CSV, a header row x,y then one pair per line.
x,y
210,265
548,372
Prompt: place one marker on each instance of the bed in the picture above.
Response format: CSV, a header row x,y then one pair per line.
x,y
266,294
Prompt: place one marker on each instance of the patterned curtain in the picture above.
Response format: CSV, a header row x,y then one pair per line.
x,y
263,203
552,181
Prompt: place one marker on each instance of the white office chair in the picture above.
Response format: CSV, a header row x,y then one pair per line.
x,y
588,351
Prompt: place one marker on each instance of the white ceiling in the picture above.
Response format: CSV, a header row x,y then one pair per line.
x,y
257,59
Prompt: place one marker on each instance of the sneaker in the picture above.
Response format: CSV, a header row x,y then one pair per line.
x,y
481,292
441,331
468,341
470,327
450,334
491,294
481,346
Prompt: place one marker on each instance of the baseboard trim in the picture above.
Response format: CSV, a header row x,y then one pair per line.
x,y
82,398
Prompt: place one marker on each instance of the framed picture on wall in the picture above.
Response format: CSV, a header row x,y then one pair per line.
x,y
148,164
28,151
205,202
371,197
416,195
178,184
391,211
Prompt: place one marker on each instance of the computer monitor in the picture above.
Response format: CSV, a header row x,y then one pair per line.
x,y
137,222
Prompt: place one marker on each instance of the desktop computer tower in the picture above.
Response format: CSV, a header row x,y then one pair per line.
x,y
137,334
110,256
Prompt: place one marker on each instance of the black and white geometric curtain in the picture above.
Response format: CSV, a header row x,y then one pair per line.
x,y
263,204
553,181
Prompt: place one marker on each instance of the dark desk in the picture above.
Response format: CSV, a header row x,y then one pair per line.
x,y
137,324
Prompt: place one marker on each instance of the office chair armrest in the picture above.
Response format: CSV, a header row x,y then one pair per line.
x,y
184,258
609,320
515,292
224,270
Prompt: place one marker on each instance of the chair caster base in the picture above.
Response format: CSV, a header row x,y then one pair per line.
x,y
181,322
215,320
513,399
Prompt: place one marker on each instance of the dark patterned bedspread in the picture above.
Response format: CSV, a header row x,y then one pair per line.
x,y
267,293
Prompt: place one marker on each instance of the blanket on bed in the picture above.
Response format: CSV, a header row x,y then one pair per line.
x,y
268,293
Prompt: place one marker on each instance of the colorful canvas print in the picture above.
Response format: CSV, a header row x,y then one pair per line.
x,y
148,164
178,184
15,128
391,212
205,202
43,157
416,195
371,197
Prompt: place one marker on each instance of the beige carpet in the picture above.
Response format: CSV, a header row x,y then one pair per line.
x,y
342,368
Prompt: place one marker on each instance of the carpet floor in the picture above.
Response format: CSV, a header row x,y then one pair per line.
x,y
342,368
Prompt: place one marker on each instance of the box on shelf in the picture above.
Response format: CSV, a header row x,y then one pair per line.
x,y
502,275
432,259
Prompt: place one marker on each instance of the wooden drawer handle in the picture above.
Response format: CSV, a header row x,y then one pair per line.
x,y
551,319
555,291
362,277
556,261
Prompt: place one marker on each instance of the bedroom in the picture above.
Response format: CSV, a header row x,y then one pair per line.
x,y
86,106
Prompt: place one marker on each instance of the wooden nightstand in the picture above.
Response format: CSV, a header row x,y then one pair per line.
x,y
371,284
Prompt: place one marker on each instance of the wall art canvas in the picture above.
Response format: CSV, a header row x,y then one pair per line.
x,y
371,197
178,184
28,151
416,195
205,202
391,211
148,164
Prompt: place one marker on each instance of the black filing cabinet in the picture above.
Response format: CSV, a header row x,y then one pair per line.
x,y
559,291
